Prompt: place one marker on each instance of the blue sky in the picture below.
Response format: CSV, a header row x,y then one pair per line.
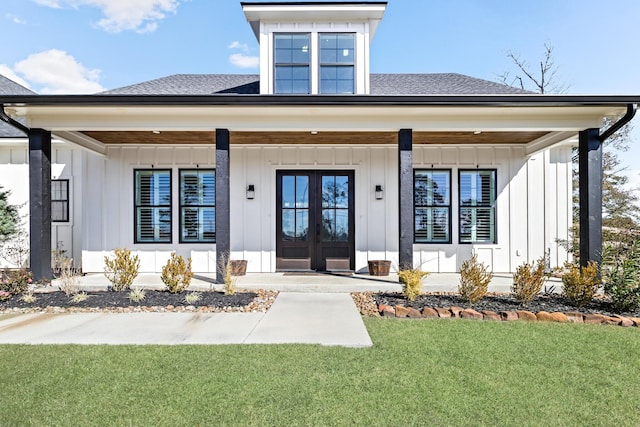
x,y
65,46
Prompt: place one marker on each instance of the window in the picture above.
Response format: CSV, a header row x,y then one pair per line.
x,y
477,206
152,206
60,200
292,63
432,206
198,206
295,208
337,59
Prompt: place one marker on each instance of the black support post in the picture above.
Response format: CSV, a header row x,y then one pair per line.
x,y
40,203
223,217
405,169
590,187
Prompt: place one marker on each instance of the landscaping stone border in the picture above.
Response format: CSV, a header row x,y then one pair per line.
x,y
400,311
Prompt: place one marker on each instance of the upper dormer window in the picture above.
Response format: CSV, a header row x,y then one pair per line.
x,y
292,60
337,63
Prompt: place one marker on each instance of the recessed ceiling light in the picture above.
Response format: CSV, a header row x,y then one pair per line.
x,y
314,132
477,132
157,132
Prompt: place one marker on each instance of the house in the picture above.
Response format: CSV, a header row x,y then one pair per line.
x,y
315,163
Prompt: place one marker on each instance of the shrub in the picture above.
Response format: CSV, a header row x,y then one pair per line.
x,y
137,295
15,281
622,279
79,297
68,279
411,280
229,280
192,298
580,283
474,280
122,269
28,297
528,281
176,274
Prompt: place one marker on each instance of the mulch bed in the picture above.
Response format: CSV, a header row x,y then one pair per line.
x,y
500,302
154,301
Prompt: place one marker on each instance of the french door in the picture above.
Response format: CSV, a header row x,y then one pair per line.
x,y
315,220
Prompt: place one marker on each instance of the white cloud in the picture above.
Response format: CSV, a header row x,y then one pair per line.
x,y
6,71
15,19
141,16
57,72
244,61
237,45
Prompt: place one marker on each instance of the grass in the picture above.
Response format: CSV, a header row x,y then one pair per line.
x,y
418,372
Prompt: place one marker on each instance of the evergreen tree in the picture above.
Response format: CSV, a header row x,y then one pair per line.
x,y
9,217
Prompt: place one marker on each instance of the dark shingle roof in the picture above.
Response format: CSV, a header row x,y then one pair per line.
x,y
9,87
381,84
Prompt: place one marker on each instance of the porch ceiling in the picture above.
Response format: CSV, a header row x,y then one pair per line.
x,y
335,138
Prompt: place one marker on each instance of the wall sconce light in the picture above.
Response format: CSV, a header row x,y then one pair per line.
x,y
378,192
251,191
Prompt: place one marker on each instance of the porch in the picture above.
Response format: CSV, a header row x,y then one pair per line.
x,y
312,282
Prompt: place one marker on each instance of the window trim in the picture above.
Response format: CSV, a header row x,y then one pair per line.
x,y
450,205
308,65
67,201
352,65
180,206
493,207
135,207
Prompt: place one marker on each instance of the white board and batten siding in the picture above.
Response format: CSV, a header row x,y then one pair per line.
x,y
110,206
66,163
533,205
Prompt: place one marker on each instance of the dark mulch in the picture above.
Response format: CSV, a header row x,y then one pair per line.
x,y
497,303
112,299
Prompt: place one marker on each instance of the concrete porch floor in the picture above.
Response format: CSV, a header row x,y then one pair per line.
x,y
306,282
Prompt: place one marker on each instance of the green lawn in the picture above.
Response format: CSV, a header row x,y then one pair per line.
x,y
422,372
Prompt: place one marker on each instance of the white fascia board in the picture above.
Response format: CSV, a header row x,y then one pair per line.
x,y
552,139
320,118
83,141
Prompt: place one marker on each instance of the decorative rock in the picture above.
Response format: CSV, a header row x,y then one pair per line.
x,y
414,314
574,317
526,315
635,320
429,313
381,307
402,311
624,321
543,316
508,316
455,311
559,317
470,313
443,312
490,315
594,319
388,311
611,320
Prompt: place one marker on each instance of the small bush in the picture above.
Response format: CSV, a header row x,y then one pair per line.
x,y
79,297
15,281
68,279
474,280
137,295
176,274
28,297
411,280
192,298
229,280
4,295
122,269
528,281
580,283
622,279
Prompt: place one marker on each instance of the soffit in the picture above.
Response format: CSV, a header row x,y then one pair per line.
x,y
320,138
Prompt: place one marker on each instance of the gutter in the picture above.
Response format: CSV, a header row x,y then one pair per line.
x,y
11,122
631,111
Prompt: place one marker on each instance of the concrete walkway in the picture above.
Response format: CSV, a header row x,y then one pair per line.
x,y
318,318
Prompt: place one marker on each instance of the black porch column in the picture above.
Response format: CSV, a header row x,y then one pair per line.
x,y
590,186
40,203
405,182
223,226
